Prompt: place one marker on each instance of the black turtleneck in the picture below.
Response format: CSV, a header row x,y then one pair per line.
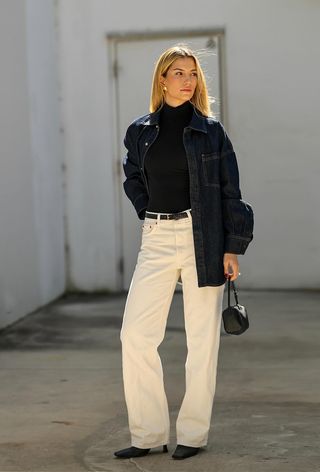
x,y
166,163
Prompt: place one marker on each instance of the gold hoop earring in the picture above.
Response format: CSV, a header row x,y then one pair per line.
x,y
165,88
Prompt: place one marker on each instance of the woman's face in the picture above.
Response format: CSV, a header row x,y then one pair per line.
x,y
181,81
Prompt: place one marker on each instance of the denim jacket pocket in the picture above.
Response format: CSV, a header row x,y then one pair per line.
x,y
211,168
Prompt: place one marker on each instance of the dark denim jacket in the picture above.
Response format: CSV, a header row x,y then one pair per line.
x,y
222,221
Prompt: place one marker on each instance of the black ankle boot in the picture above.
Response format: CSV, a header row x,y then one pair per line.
x,y
135,452
182,452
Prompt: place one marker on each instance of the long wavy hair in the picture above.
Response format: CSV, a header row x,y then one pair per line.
x,y
200,99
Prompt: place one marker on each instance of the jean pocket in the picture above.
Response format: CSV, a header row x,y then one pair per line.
x,y
149,226
211,169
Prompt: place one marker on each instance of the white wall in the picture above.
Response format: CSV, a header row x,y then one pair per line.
x,y
87,116
32,270
272,104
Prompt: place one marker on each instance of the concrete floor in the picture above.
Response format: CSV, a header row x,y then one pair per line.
x,y
62,404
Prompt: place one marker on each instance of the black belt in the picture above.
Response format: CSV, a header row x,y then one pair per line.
x,y
168,216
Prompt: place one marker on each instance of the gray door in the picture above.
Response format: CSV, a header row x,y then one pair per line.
x,y
135,64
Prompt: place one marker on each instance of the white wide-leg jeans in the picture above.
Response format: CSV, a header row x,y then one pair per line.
x,y
167,251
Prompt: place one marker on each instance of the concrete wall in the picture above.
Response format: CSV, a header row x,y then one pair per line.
x,y
272,106
32,267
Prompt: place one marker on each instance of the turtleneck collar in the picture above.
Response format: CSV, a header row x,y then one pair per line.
x,y
178,115
197,120
185,106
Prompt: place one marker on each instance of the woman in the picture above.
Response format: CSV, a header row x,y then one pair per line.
x,y
182,179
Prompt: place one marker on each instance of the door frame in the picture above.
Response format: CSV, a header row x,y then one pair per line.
x,y
113,39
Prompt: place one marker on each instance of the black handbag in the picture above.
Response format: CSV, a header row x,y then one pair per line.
x,y
235,318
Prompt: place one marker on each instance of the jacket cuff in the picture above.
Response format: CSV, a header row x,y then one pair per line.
x,y
140,204
236,245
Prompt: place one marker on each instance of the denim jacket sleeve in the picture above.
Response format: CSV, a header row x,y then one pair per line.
x,y
238,217
134,186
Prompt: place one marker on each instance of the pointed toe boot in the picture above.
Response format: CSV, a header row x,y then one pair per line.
x,y
135,452
182,452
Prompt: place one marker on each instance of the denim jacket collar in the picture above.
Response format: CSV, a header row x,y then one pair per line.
x,y
197,122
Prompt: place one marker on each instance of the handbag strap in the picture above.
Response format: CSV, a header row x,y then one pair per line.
x,y
234,291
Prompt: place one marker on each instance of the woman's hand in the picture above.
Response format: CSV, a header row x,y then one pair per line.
x,y
231,265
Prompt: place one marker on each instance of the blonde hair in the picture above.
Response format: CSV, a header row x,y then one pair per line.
x,y
200,98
